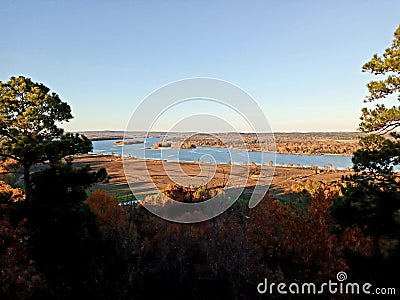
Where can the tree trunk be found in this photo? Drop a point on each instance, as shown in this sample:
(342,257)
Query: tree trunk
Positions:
(27,184)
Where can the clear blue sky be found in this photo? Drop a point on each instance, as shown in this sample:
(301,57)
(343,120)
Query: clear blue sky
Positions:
(301,60)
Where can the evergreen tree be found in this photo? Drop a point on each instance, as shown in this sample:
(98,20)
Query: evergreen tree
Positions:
(371,199)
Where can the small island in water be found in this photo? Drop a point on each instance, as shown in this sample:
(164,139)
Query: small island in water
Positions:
(127,142)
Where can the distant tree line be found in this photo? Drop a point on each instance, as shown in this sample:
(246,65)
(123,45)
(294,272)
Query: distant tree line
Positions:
(285,143)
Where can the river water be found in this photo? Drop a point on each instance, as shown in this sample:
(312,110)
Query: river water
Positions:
(220,155)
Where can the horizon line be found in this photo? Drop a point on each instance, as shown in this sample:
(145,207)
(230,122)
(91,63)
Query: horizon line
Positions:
(166,131)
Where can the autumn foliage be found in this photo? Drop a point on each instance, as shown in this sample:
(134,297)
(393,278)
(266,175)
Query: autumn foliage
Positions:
(229,254)
(19,275)
(102,248)
(10,194)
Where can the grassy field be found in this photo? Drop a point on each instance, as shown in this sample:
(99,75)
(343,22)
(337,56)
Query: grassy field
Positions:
(283,177)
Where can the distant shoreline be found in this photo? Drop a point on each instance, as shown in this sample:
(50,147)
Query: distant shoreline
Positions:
(265,151)
(294,143)
(234,148)
(105,138)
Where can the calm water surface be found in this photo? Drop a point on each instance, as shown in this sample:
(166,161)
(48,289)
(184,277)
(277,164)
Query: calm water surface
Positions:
(219,155)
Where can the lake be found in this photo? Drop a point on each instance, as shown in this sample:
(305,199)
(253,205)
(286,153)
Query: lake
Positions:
(219,155)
